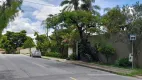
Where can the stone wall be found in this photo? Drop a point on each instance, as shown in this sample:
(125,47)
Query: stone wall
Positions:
(122,46)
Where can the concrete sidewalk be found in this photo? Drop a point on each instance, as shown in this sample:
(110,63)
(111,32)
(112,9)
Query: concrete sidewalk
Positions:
(110,69)
(56,59)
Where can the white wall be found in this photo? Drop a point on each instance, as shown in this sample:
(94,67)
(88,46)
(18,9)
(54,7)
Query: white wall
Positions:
(27,51)
(70,51)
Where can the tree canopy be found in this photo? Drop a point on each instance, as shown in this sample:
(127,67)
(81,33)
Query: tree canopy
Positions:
(113,20)
(86,21)
(29,43)
(87,5)
(11,41)
(42,43)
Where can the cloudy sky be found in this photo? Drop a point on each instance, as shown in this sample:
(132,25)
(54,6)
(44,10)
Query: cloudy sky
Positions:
(36,11)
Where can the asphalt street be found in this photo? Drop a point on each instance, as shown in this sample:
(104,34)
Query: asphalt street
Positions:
(21,67)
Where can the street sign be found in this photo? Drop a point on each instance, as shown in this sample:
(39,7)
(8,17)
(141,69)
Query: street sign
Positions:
(132,37)
(130,57)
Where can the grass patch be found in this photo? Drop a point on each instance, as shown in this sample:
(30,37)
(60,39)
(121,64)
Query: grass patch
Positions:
(53,54)
(136,72)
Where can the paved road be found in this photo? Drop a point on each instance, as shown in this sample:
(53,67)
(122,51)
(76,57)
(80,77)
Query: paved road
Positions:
(20,67)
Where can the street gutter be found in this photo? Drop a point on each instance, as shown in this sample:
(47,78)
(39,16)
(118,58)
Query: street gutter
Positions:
(114,70)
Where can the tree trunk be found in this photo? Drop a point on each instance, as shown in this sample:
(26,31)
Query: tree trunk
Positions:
(75,3)
(86,46)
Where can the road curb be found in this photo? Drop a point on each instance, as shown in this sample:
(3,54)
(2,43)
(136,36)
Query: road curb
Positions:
(88,65)
(94,68)
(97,68)
(52,58)
(84,65)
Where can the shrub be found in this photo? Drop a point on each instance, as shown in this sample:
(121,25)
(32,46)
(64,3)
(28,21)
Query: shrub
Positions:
(53,54)
(73,56)
(106,50)
(17,52)
(124,62)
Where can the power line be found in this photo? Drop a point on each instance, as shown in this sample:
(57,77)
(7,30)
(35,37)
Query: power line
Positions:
(41,3)
(37,3)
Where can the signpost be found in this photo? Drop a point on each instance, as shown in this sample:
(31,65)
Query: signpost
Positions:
(131,56)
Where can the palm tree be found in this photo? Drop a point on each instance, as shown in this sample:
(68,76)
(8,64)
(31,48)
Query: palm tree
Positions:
(74,4)
(70,4)
(88,6)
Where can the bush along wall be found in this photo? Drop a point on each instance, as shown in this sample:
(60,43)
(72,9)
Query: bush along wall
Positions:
(124,62)
(107,50)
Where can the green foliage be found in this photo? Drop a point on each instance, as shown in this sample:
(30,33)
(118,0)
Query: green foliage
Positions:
(8,11)
(125,21)
(134,21)
(82,17)
(124,62)
(43,43)
(53,54)
(4,43)
(29,43)
(16,39)
(136,72)
(52,21)
(17,52)
(11,41)
(83,21)
(70,4)
(107,50)
(87,5)
(61,36)
(73,56)
(113,20)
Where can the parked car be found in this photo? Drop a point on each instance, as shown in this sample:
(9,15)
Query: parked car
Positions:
(36,53)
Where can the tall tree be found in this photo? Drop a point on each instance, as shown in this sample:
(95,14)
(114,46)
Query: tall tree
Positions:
(126,21)
(42,43)
(29,43)
(83,21)
(113,20)
(54,22)
(70,4)
(76,5)
(88,6)
(8,10)
(82,18)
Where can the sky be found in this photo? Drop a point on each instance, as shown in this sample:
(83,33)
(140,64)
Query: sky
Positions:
(36,11)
